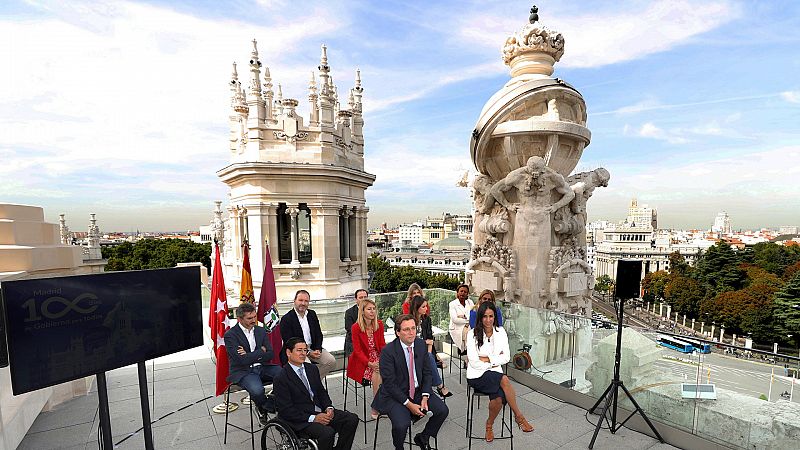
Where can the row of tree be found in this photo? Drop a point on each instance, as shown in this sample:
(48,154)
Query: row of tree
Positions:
(387,278)
(755,291)
(155,254)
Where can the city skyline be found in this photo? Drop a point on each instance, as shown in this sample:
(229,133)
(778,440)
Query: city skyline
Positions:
(121,109)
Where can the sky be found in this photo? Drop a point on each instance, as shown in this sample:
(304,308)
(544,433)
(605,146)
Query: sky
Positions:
(120,108)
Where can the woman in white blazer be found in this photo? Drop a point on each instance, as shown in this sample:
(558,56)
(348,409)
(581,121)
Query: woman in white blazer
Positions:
(459,317)
(487,351)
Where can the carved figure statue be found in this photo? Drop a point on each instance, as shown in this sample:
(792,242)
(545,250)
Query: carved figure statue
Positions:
(540,190)
(531,182)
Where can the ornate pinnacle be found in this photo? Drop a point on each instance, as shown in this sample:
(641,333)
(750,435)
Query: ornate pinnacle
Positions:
(323,60)
(267,81)
(234,75)
(351,100)
(254,53)
(312,86)
(279,97)
(358,87)
(534,17)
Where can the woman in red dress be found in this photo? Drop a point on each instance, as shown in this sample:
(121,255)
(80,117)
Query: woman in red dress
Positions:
(413,291)
(368,341)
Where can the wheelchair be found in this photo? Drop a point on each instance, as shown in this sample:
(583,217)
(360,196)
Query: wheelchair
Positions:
(278,435)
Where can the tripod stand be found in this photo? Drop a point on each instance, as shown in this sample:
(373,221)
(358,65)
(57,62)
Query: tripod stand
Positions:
(611,393)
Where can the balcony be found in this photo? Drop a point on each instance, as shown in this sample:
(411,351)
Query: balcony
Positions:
(572,363)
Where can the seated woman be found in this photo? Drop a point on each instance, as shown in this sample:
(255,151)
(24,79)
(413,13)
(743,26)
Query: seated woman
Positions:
(368,341)
(420,310)
(486,296)
(413,291)
(487,349)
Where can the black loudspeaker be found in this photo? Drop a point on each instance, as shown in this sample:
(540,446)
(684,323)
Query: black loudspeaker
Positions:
(629,275)
(3,346)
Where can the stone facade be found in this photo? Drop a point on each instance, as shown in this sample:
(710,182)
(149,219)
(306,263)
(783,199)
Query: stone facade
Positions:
(296,187)
(529,208)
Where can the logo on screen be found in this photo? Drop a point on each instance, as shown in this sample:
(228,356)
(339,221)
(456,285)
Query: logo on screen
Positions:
(58,307)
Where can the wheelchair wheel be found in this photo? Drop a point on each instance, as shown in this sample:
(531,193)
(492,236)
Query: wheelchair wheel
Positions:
(277,436)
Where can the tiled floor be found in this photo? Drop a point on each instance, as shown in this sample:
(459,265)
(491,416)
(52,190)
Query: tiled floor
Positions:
(183,417)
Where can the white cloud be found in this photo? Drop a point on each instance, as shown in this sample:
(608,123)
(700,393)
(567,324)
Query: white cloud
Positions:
(595,40)
(791,96)
(133,82)
(651,131)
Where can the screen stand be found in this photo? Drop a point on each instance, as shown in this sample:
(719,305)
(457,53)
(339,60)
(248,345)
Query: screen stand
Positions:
(105,418)
(146,424)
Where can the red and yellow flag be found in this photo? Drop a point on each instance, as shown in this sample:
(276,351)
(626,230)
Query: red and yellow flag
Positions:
(246,290)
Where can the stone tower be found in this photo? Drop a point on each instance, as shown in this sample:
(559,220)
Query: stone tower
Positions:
(296,187)
(530,209)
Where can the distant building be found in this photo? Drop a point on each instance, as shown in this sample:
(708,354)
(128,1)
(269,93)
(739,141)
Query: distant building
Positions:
(789,229)
(722,223)
(642,217)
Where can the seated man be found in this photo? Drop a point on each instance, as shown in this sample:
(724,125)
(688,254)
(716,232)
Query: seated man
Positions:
(304,403)
(303,323)
(350,317)
(249,354)
(406,371)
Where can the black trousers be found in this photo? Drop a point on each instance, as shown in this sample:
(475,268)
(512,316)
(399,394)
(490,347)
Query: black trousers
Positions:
(344,424)
(401,420)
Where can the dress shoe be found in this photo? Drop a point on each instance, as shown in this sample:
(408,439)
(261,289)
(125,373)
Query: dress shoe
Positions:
(263,418)
(442,394)
(422,442)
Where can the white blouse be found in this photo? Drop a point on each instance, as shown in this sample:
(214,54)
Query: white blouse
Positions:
(495,348)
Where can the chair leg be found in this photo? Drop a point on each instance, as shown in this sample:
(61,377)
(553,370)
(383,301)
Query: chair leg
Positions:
(364,402)
(227,411)
(344,375)
(252,433)
(375,438)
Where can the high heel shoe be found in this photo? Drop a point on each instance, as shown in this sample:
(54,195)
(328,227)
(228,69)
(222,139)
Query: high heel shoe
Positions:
(489,432)
(523,424)
(439,390)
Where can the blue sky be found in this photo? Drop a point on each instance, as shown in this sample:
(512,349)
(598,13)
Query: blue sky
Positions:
(120,108)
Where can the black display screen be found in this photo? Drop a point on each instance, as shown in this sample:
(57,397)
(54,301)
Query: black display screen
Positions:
(65,328)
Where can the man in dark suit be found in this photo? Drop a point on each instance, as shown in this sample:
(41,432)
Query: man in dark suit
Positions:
(405,393)
(304,404)
(350,318)
(249,354)
(303,323)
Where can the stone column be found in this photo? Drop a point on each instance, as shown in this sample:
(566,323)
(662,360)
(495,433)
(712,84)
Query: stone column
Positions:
(703,328)
(271,230)
(684,320)
(256,227)
(721,333)
(293,211)
(712,330)
(669,312)
(692,325)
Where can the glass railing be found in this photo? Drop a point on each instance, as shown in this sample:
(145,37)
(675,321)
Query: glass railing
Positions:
(736,397)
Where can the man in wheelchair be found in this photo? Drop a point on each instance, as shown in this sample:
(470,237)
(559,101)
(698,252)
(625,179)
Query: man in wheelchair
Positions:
(304,404)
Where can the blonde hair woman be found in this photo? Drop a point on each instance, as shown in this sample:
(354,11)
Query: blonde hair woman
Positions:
(413,291)
(368,341)
(486,296)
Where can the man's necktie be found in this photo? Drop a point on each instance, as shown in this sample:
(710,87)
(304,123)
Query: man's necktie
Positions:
(411,389)
(308,387)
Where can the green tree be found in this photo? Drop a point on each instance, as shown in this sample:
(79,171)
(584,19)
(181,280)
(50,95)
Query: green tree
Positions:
(786,308)
(678,264)
(604,284)
(653,286)
(156,254)
(718,268)
(774,258)
(388,278)
(684,294)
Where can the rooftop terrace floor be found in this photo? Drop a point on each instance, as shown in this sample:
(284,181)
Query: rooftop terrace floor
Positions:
(184,387)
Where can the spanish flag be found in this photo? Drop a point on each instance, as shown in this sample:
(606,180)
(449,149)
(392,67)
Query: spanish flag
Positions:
(246,291)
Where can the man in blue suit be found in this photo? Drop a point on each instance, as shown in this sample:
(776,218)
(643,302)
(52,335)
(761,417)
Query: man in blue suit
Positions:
(405,393)
(249,354)
(304,404)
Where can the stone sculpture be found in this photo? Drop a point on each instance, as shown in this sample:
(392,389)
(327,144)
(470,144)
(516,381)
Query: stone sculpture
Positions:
(528,206)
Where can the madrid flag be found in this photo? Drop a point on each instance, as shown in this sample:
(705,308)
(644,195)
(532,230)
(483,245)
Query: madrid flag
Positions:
(218,322)
(267,312)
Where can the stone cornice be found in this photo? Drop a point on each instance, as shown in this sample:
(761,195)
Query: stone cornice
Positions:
(294,171)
